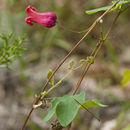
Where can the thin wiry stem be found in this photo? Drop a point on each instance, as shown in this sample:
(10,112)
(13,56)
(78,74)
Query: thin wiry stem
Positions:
(78,43)
(95,53)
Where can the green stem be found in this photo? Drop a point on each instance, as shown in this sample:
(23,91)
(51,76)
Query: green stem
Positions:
(59,82)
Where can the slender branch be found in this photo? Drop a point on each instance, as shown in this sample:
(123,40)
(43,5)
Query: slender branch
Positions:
(58,83)
(78,43)
(95,53)
(85,69)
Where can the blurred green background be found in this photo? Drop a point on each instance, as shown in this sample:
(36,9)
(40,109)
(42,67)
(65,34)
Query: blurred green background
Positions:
(45,49)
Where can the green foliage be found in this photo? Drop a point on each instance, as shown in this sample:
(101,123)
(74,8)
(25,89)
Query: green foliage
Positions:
(48,76)
(93,103)
(126,77)
(107,7)
(10,51)
(97,10)
(65,108)
(90,59)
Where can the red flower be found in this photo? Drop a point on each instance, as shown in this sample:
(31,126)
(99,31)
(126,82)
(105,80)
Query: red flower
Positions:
(47,19)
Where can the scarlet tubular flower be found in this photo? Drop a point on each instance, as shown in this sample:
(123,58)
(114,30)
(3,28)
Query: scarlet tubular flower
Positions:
(46,19)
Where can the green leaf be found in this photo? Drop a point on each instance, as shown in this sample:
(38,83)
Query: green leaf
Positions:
(48,76)
(10,49)
(80,97)
(126,77)
(121,2)
(97,10)
(67,109)
(106,7)
(93,103)
(54,104)
(90,59)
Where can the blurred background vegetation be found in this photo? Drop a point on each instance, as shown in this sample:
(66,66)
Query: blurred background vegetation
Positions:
(44,50)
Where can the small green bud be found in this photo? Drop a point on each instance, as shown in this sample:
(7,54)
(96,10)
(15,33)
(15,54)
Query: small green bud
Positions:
(90,59)
(48,76)
(71,64)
